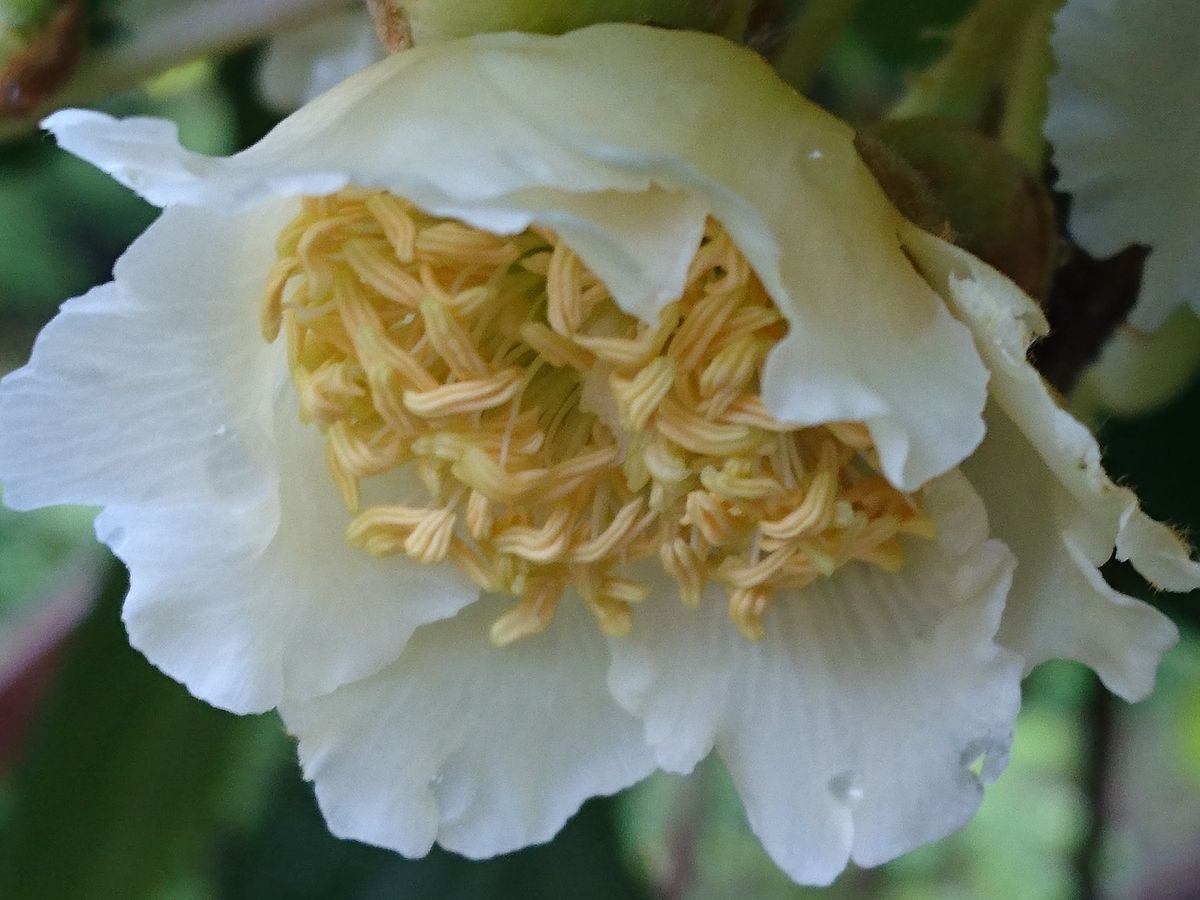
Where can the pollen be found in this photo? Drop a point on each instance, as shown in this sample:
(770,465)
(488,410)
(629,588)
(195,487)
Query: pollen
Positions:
(551,445)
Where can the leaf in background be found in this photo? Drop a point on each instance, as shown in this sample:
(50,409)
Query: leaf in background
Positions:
(907,35)
(128,776)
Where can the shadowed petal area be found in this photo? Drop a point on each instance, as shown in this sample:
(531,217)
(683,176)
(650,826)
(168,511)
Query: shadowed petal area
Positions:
(1100,518)
(480,748)
(853,728)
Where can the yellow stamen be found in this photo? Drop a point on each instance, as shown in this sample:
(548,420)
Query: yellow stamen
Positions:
(558,439)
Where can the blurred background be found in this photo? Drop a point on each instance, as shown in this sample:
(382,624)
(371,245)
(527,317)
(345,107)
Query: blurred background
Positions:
(114,783)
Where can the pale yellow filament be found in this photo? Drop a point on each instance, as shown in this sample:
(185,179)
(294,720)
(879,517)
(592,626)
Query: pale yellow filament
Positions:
(559,439)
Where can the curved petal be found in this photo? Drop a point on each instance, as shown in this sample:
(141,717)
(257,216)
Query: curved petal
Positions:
(156,397)
(853,728)
(123,398)
(1099,514)
(480,748)
(869,340)
(1125,138)
(252,604)
(1060,605)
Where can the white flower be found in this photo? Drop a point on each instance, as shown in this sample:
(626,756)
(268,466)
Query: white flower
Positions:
(528,306)
(1124,125)
(301,64)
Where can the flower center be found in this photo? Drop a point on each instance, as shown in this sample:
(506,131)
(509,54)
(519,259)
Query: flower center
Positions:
(557,440)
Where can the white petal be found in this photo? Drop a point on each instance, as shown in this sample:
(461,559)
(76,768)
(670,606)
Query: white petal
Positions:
(149,389)
(1060,605)
(587,133)
(145,155)
(246,624)
(1125,133)
(852,729)
(1100,515)
(156,396)
(480,748)
(302,64)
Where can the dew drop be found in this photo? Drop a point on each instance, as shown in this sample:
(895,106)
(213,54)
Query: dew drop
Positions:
(844,789)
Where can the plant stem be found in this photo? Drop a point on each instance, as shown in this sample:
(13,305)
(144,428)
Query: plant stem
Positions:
(1028,91)
(963,82)
(201,28)
(737,18)
(1100,725)
(813,35)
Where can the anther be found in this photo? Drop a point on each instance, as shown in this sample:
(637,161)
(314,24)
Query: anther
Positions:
(559,441)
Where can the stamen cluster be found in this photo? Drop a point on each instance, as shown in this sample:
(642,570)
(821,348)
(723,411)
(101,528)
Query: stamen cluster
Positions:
(556,440)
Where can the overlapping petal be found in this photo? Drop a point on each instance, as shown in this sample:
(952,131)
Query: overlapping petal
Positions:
(1036,449)
(480,748)
(122,397)
(852,728)
(554,131)
(1060,605)
(1139,372)
(156,397)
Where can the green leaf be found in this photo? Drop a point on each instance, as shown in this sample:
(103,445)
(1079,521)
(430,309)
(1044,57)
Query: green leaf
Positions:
(908,34)
(127,777)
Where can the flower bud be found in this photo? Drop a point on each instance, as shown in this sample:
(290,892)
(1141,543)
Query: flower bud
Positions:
(996,209)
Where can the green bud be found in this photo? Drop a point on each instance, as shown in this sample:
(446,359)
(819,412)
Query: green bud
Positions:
(994,207)
(436,20)
(904,185)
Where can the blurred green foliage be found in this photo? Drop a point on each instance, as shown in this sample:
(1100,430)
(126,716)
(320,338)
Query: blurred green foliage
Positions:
(126,775)
(32,546)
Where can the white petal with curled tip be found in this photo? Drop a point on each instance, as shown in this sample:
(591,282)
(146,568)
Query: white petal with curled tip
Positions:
(1060,605)
(483,749)
(1040,468)
(247,616)
(156,397)
(615,125)
(1126,136)
(1101,517)
(853,730)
